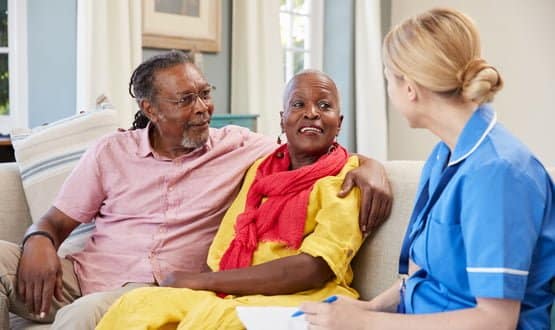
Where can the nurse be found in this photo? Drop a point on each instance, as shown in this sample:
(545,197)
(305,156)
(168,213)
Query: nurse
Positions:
(479,252)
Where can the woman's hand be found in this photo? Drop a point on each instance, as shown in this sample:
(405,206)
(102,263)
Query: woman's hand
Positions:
(344,313)
(376,195)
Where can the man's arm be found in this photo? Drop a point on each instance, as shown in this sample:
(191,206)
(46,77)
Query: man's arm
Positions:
(376,195)
(39,274)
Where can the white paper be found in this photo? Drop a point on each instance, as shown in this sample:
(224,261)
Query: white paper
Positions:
(270,318)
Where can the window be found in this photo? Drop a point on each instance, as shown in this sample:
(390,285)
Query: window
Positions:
(13,64)
(301,35)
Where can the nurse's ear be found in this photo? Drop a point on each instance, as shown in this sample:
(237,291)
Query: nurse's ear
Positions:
(412,89)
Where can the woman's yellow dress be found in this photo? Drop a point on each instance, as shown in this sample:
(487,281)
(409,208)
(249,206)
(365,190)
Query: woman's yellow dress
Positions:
(331,232)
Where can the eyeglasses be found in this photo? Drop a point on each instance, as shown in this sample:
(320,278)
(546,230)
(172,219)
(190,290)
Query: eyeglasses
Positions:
(187,100)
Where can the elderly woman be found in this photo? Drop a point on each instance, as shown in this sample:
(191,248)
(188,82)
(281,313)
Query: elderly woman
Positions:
(480,247)
(286,239)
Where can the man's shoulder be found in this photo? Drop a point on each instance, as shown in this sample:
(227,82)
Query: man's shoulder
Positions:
(230,130)
(120,140)
(239,135)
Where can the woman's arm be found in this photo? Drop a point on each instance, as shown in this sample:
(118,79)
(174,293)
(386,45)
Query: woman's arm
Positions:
(282,276)
(325,253)
(488,314)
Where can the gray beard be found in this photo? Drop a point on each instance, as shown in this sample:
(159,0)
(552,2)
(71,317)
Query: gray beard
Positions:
(193,142)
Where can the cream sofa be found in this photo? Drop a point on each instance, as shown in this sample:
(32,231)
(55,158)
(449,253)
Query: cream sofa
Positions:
(375,266)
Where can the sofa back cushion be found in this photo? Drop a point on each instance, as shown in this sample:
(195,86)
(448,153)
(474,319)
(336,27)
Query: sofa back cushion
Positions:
(375,265)
(47,154)
(14,214)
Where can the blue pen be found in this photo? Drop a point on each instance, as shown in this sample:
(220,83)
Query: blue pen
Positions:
(328,300)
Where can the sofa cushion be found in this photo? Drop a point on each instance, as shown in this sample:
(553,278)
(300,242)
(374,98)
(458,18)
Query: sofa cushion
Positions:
(18,323)
(14,214)
(47,154)
(375,265)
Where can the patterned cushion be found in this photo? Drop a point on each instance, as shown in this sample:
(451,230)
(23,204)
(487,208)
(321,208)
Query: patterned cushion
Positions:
(47,154)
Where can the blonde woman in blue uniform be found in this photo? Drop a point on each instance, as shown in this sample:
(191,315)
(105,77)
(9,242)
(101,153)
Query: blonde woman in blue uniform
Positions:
(479,251)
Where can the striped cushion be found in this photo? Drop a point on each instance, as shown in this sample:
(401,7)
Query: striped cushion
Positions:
(77,239)
(47,154)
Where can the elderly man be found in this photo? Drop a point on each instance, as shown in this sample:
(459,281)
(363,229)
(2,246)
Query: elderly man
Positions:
(157,194)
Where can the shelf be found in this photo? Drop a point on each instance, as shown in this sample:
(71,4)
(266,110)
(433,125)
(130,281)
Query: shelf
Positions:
(248,121)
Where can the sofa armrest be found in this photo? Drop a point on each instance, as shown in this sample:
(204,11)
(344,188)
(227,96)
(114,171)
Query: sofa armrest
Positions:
(14,213)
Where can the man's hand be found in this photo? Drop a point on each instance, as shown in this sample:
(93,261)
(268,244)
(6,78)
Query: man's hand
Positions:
(39,275)
(371,179)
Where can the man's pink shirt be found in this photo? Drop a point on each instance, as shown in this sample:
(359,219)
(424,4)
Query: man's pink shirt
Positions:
(153,215)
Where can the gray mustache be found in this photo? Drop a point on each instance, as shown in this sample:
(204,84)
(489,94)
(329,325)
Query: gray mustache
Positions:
(199,121)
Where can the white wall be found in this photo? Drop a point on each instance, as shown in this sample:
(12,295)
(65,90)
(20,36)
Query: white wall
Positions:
(518,38)
(216,66)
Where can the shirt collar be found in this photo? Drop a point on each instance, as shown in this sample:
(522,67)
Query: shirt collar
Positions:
(474,132)
(145,149)
(208,145)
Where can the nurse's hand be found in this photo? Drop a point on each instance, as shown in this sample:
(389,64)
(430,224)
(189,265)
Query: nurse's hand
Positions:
(344,313)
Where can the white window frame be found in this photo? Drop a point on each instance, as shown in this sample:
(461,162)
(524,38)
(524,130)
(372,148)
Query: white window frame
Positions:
(315,38)
(17,66)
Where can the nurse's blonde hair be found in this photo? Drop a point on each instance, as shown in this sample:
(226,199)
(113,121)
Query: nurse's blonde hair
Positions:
(440,50)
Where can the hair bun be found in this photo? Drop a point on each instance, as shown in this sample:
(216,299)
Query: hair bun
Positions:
(479,81)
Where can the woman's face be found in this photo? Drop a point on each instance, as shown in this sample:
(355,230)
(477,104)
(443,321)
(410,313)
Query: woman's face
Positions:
(311,118)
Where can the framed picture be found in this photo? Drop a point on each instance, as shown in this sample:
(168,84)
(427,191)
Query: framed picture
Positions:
(182,24)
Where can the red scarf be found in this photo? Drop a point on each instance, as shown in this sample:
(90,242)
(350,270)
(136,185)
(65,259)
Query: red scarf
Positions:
(282,216)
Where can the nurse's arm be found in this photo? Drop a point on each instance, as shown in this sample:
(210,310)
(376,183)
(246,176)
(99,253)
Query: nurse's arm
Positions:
(386,301)
(488,314)
(413,268)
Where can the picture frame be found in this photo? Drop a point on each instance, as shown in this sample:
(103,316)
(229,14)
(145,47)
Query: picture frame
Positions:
(182,24)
